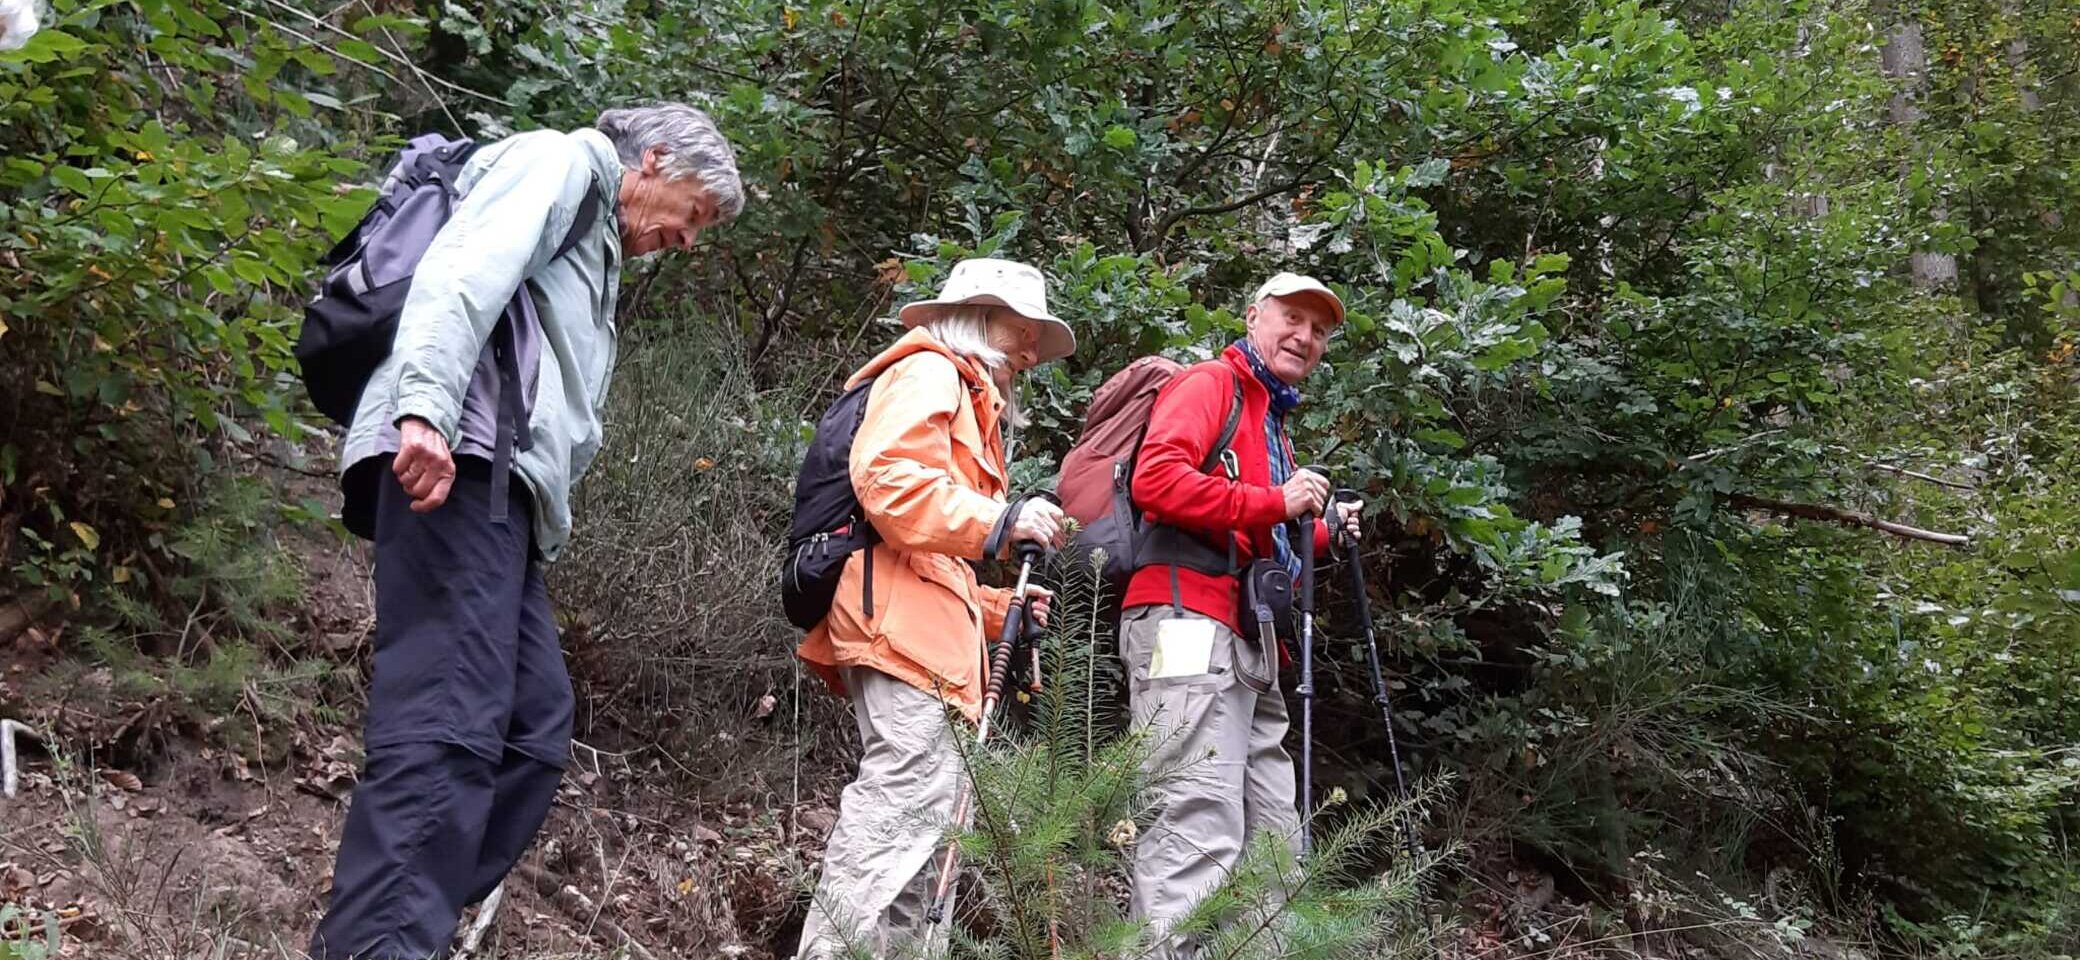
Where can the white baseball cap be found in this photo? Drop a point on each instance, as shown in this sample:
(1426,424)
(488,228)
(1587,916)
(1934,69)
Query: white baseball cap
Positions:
(998,283)
(1294,284)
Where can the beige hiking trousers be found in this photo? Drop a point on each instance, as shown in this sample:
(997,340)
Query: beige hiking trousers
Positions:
(878,866)
(1219,774)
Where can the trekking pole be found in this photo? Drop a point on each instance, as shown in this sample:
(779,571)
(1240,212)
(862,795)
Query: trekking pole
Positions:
(1363,602)
(1305,689)
(999,665)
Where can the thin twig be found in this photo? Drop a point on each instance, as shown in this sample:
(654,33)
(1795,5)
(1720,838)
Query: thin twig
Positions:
(425,79)
(309,40)
(399,58)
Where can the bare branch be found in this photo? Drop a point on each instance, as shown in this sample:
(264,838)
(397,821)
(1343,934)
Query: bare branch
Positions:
(580,908)
(1938,481)
(1847,518)
(1170,220)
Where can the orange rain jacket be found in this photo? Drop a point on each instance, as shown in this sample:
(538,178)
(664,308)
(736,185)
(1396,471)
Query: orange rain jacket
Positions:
(928,467)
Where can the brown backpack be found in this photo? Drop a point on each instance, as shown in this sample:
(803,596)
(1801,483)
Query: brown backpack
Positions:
(1097,477)
(1112,430)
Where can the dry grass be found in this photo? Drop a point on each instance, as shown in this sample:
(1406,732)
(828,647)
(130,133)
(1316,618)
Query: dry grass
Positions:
(670,589)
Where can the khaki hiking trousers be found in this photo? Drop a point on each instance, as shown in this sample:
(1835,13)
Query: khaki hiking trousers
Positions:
(1219,775)
(878,866)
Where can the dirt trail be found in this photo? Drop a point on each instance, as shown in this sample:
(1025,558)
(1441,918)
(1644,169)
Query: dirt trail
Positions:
(199,859)
(160,842)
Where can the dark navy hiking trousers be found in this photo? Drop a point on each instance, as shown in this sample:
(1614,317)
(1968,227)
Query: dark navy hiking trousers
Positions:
(469,722)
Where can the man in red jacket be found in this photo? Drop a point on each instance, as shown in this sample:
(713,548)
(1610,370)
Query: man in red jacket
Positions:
(1220,775)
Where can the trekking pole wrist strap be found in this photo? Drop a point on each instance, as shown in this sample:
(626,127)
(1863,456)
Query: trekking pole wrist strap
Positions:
(994,543)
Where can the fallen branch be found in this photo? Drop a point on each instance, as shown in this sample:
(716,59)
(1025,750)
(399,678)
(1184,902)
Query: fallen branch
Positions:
(1847,518)
(579,907)
(485,914)
(10,774)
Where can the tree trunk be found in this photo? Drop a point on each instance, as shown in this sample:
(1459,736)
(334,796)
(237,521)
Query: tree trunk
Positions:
(1904,58)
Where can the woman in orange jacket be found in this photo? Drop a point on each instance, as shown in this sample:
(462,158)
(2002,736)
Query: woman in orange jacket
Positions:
(928,467)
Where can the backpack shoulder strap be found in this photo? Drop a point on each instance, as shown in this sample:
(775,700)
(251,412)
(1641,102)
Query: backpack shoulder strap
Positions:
(431,157)
(1227,437)
(588,213)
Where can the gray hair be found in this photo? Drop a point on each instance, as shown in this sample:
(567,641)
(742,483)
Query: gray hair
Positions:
(964,329)
(692,147)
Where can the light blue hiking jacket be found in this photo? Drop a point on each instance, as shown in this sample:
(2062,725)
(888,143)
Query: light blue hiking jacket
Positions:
(519,198)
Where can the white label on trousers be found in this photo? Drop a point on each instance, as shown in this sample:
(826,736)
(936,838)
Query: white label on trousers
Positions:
(1184,648)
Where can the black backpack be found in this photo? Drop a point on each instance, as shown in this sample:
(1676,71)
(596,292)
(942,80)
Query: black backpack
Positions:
(829,524)
(349,327)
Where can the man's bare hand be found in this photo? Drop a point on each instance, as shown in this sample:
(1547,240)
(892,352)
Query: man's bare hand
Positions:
(1306,492)
(1348,513)
(423,465)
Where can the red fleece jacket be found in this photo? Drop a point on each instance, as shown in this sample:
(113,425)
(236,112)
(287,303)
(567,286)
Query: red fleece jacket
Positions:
(1170,488)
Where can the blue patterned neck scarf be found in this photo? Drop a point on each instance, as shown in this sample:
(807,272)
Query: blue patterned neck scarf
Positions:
(1284,397)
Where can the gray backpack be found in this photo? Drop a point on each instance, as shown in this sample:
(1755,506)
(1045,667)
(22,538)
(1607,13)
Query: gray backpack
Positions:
(349,326)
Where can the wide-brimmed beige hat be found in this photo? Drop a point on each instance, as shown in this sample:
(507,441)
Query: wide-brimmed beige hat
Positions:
(1295,285)
(998,283)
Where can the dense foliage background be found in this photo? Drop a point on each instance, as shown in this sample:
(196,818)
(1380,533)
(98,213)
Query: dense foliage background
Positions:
(1713,366)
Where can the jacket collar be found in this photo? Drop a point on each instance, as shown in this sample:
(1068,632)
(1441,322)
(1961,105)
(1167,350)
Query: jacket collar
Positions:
(919,340)
(1239,362)
(989,404)
(605,162)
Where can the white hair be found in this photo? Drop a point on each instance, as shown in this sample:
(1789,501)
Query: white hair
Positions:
(963,328)
(17,23)
(692,146)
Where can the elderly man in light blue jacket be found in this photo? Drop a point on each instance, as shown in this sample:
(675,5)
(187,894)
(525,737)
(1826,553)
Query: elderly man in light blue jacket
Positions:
(470,708)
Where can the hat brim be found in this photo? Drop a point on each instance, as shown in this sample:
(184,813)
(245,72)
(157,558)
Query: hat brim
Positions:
(1328,299)
(1056,339)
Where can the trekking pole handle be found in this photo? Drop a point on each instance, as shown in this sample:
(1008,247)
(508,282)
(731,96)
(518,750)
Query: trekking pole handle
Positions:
(1014,626)
(1307,545)
(1020,550)
(1028,554)
(1001,653)
(1337,535)
(1307,563)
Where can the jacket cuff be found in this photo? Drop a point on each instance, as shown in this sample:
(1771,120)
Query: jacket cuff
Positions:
(1266,506)
(432,406)
(999,529)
